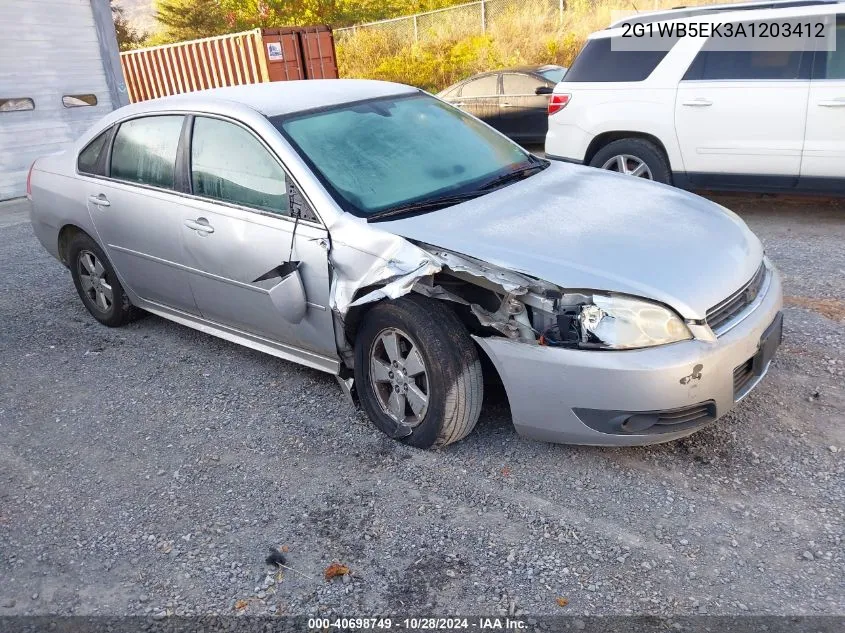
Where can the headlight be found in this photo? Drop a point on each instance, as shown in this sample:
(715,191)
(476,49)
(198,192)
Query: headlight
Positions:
(626,323)
(594,321)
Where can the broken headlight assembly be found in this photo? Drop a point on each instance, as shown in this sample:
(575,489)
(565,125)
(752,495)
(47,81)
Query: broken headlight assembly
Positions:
(597,321)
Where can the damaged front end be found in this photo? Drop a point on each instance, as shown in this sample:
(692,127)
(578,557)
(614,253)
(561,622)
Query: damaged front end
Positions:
(533,311)
(497,302)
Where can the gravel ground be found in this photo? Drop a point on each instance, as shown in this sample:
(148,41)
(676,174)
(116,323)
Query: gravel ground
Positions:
(146,470)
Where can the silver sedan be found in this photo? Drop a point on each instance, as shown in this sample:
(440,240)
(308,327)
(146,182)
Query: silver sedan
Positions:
(372,231)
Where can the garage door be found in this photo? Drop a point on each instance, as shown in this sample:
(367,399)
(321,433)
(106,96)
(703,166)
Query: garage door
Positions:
(52,82)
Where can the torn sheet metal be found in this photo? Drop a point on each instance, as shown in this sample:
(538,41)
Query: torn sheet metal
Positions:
(393,263)
(397,266)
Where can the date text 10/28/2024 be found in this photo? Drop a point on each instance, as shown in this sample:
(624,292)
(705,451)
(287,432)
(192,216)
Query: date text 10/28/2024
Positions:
(416,624)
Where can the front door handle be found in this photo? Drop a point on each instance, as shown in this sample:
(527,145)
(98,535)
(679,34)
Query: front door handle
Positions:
(699,103)
(100,201)
(200,225)
(839,102)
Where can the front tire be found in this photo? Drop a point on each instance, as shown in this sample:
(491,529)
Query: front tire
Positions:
(634,157)
(97,283)
(418,372)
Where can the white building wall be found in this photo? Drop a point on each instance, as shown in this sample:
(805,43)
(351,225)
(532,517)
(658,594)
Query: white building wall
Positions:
(48,48)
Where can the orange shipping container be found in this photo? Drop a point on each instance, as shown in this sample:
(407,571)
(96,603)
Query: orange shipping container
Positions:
(230,60)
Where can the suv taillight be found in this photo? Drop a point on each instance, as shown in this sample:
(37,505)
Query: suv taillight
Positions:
(29,182)
(558,102)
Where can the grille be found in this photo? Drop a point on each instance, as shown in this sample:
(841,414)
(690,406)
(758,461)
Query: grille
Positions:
(722,313)
(742,376)
(687,415)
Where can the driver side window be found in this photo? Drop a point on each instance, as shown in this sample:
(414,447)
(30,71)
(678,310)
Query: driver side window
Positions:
(230,164)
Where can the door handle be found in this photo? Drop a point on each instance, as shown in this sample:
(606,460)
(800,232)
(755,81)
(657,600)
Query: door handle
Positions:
(200,225)
(507,105)
(100,201)
(700,102)
(839,102)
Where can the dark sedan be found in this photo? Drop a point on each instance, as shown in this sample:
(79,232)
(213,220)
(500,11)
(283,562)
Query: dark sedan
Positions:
(514,101)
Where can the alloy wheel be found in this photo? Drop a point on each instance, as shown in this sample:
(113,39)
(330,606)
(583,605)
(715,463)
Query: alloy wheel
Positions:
(94,280)
(628,165)
(399,377)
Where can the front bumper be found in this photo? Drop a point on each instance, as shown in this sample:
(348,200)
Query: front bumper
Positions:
(547,385)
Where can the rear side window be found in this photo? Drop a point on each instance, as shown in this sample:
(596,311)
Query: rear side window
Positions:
(598,62)
(89,161)
(518,84)
(831,64)
(144,150)
(727,65)
(482,87)
(228,163)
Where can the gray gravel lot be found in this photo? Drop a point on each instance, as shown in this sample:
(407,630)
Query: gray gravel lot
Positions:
(146,470)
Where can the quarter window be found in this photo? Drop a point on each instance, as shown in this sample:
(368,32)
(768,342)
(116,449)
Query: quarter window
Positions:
(598,61)
(228,163)
(145,150)
(482,87)
(89,158)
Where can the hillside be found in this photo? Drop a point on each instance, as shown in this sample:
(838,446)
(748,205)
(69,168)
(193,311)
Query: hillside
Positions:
(140,13)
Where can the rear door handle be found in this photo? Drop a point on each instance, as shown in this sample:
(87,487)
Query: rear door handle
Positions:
(699,103)
(200,225)
(100,201)
(839,102)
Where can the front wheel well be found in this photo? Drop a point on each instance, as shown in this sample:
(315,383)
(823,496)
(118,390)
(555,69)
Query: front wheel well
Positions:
(608,137)
(66,235)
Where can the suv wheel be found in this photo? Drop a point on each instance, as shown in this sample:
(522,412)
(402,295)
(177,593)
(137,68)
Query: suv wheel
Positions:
(418,372)
(634,157)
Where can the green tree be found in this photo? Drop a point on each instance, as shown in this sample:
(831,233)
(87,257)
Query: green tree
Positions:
(127,36)
(191,19)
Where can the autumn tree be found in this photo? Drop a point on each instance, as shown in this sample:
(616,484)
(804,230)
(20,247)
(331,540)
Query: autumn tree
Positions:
(127,36)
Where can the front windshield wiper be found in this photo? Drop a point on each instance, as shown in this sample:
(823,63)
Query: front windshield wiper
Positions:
(525,169)
(422,206)
(519,173)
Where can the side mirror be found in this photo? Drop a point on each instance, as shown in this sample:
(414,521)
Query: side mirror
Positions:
(544,90)
(289,294)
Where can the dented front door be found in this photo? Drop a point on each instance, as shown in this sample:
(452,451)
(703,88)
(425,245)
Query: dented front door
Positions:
(244,274)
(257,253)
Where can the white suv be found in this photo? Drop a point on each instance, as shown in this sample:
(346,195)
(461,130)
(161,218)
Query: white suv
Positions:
(699,116)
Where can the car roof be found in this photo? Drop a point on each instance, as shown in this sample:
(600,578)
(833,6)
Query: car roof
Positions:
(283,97)
(532,69)
(681,12)
(515,69)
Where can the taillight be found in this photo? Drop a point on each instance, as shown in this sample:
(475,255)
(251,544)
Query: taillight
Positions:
(29,182)
(558,102)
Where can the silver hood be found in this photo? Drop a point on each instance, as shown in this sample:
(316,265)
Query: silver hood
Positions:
(583,228)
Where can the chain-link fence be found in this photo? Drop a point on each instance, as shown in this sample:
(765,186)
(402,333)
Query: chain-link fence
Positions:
(471,18)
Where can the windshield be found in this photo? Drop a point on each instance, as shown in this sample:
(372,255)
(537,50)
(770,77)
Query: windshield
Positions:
(553,74)
(391,152)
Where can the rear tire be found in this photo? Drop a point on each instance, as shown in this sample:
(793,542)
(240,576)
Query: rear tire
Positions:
(634,156)
(97,283)
(415,357)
